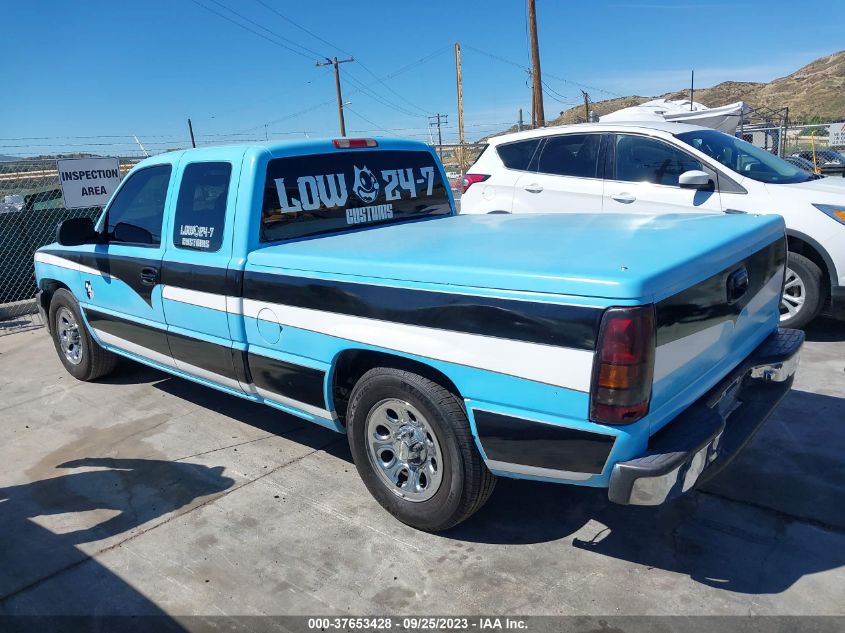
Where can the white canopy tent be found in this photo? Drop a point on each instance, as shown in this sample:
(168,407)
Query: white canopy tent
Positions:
(725,118)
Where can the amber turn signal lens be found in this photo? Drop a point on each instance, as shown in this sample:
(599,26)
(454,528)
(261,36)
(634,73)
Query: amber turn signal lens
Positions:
(619,376)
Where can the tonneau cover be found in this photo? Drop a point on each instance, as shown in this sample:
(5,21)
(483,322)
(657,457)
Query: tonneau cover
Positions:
(623,256)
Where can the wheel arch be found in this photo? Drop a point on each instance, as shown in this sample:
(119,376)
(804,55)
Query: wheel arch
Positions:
(805,245)
(351,364)
(47,288)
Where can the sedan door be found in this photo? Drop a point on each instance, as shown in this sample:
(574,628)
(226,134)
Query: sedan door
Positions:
(565,177)
(643,175)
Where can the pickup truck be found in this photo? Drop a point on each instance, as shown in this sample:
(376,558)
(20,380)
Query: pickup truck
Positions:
(333,279)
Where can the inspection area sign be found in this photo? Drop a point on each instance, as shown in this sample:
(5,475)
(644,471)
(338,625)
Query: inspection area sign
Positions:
(837,134)
(88,182)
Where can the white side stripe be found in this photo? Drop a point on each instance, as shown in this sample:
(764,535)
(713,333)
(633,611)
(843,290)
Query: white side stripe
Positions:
(560,366)
(670,357)
(168,361)
(61,262)
(195,297)
(129,346)
(296,404)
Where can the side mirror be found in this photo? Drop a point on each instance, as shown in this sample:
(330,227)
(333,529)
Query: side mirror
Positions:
(125,232)
(75,231)
(695,179)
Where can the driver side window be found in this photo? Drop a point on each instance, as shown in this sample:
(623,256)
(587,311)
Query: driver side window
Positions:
(135,215)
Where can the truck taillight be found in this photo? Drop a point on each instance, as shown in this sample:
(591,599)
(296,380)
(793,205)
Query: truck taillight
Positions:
(623,367)
(471,179)
(354,143)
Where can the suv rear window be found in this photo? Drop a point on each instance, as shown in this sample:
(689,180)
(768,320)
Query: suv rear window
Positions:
(518,155)
(325,193)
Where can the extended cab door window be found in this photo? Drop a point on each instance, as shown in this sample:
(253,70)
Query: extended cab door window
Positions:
(201,206)
(643,178)
(565,178)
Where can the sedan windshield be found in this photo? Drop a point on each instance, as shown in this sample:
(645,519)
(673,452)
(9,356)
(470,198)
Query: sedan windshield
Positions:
(744,158)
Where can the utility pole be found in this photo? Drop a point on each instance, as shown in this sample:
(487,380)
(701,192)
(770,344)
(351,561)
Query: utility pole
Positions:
(191,132)
(438,120)
(460,82)
(538,116)
(586,105)
(334,61)
(691,88)
(519,122)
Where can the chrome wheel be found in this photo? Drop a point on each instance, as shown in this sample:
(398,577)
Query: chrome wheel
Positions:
(404,450)
(67,330)
(794,295)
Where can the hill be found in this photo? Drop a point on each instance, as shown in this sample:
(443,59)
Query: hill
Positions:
(816,91)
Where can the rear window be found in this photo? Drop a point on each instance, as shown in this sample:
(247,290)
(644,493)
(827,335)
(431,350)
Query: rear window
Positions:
(518,155)
(325,193)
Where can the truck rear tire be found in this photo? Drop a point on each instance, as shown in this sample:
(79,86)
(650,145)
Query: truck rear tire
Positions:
(802,294)
(82,356)
(413,448)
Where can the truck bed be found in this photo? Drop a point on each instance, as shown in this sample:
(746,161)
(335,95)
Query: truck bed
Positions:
(619,256)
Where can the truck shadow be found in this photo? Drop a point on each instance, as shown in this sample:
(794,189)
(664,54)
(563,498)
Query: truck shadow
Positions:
(826,330)
(756,528)
(47,524)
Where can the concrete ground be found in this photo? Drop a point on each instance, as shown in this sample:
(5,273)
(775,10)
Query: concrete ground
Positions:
(147,494)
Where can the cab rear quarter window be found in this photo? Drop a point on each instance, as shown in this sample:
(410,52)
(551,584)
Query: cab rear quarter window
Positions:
(326,193)
(201,206)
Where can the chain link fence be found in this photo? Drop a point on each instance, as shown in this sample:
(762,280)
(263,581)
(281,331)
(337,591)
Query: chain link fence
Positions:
(31,206)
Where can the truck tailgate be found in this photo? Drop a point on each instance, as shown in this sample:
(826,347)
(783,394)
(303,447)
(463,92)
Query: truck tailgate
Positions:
(709,328)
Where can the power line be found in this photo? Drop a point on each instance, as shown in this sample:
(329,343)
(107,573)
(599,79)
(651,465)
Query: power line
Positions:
(376,97)
(510,62)
(395,73)
(345,52)
(254,32)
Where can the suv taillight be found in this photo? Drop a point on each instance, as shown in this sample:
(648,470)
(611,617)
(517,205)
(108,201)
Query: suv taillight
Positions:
(623,367)
(471,179)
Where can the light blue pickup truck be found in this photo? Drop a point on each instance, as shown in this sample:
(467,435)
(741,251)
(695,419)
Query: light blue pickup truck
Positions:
(334,281)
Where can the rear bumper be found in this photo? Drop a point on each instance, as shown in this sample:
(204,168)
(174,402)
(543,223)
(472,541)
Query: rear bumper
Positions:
(710,433)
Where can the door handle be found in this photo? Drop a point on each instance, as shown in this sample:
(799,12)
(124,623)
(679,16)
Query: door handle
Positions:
(624,197)
(149,276)
(533,188)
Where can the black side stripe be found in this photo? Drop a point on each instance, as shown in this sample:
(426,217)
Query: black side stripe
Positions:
(297,382)
(151,338)
(531,321)
(706,303)
(212,279)
(208,356)
(304,384)
(124,267)
(529,443)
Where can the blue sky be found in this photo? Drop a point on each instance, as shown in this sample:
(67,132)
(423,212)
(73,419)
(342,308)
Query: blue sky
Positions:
(96,68)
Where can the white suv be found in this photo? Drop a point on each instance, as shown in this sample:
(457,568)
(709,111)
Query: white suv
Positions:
(671,168)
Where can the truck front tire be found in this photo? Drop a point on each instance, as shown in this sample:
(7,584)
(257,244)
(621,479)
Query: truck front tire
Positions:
(802,293)
(413,448)
(82,356)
